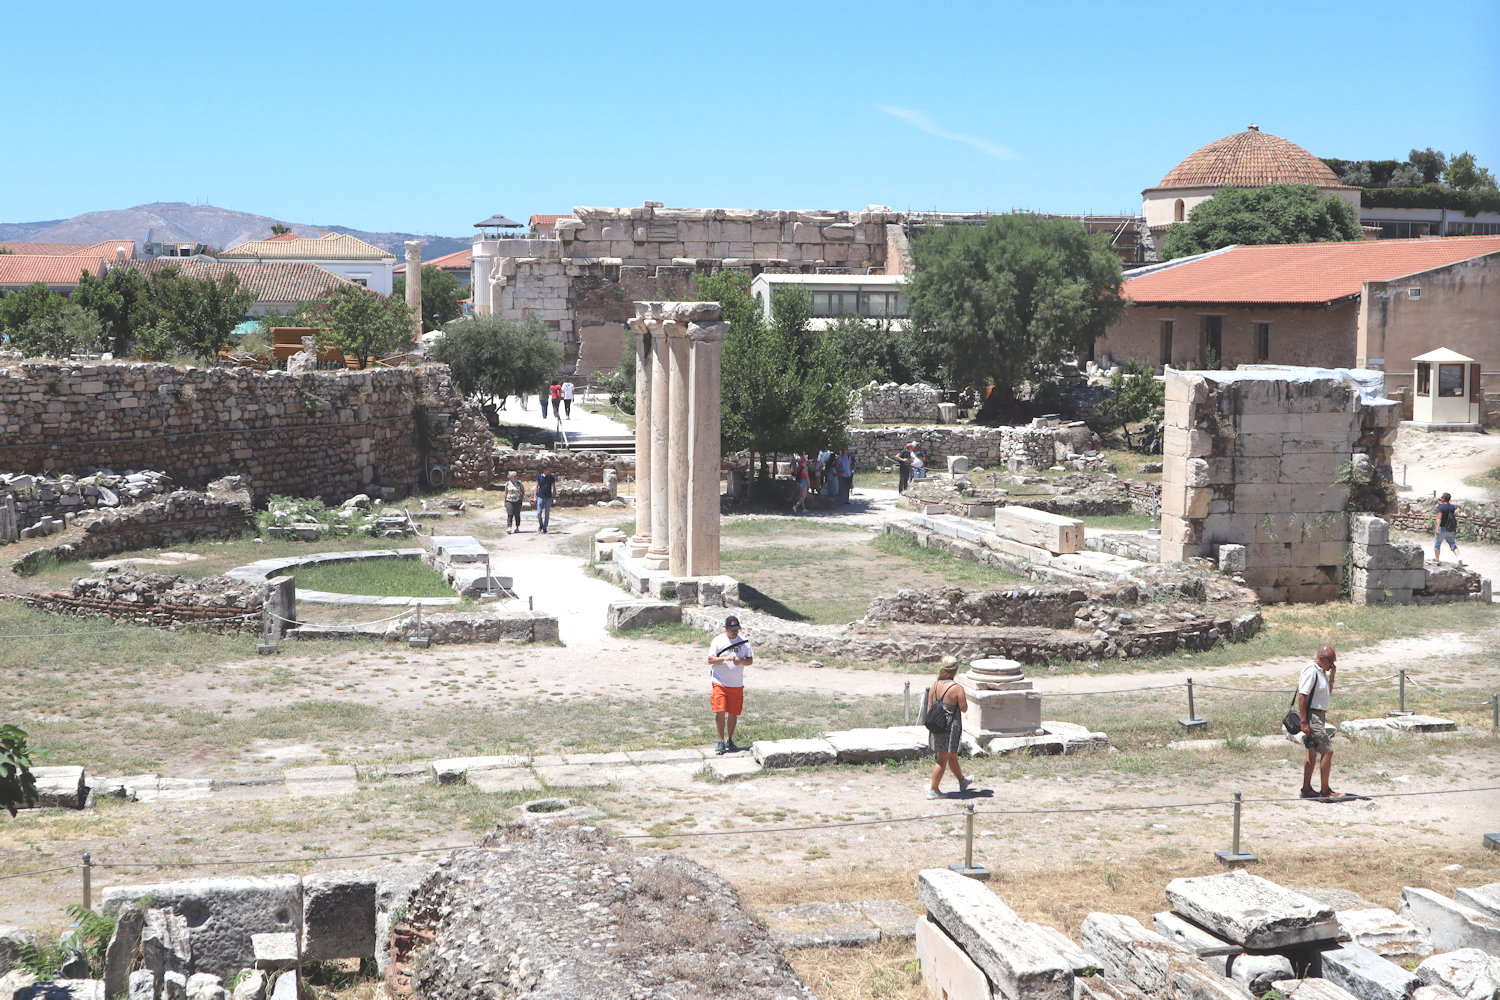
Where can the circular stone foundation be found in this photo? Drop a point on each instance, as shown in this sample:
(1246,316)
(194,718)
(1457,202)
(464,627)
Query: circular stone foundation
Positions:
(262,570)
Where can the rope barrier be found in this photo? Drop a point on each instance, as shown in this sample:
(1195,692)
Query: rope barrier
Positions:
(42,871)
(292,621)
(1079,694)
(1443,699)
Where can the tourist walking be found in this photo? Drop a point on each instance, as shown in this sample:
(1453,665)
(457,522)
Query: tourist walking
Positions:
(545,396)
(903,468)
(555,391)
(729,654)
(546,482)
(952,702)
(1314,693)
(515,496)
(1446,528)
(803,478)
(845,466)
(831,476)
(567,398)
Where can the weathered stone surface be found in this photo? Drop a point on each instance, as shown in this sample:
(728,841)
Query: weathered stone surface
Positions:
(13,942)
(123,950)
(60,787)
(1019,962)
(1078,960)
(143,985)
(275,951)
(890,917)
(626,615)
(868,746)
(252,985)
(1450,924)
(453,770)
(1251,911)
(1100,988)
(732,766)
(284,986)
(1470,973)
(946,971)
(504,779)
(338,915)
(1433,993)
(828,936)
(222,914)
(1485,898)
(1386,934)
(204,986)
(322,781)
(1189,935)
(1366,975)
(1053,532)
(1312,989)
(1126,950)
(166,944)
(1338,899)
(394,885)
(1258,972)
(793,753)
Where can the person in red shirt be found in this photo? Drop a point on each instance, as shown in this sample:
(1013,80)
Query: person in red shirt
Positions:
(556,393)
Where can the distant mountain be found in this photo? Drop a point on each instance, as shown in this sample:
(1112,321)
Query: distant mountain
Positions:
(217,227)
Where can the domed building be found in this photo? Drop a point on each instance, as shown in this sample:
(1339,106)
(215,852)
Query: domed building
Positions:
(1251,158)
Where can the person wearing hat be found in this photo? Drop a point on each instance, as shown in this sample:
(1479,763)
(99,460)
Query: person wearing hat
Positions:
(728,655)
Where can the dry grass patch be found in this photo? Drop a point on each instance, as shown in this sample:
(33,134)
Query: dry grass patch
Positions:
(888,971)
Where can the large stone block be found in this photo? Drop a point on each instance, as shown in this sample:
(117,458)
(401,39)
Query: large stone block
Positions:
(626,615)
(1195,939)
(1366,975)
(394,886)
(1312,989)
(14,942)
(1367,529)
(60,787)
(221,914)
(338,915)
(1451,924)
(120,954)
(1484,897)
(871,746)
(1259,972)
(1252,911)
(1053,532)
(1384,933)
(1128,951)
(1469,973)
(793,753)
(947,972)
(1020,964)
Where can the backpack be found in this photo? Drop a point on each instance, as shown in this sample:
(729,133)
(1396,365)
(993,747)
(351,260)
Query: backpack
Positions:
(937,715)
(1449,521)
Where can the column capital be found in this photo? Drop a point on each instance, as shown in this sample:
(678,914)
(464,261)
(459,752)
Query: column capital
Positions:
(700,333)
(678,312)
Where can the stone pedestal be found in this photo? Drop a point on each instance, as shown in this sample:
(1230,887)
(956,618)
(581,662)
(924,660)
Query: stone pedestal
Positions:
(1001,699)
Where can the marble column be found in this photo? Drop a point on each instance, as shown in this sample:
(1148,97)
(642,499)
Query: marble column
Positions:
(703,476)
(679,450)
(658,556)
(641,541)
(479,284)
(414,285)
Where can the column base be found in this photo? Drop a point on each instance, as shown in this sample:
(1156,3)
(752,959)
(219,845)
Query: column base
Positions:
(637,546)
(657,561)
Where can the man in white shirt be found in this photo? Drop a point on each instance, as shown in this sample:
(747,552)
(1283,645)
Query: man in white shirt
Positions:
(1314,692)
(567,398)
(729,655)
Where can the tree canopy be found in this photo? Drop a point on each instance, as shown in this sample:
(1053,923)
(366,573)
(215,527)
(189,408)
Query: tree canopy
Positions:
(881,351)
(197,313)
(1010,300)
(360,323)
(1275,213)
(441,295)
(120,299)
(491,357)
(1465,173)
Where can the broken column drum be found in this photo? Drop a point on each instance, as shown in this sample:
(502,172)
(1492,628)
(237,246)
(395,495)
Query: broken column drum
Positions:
(678,423)
(1001,699)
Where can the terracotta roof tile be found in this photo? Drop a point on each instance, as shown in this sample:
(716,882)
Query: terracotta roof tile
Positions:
(102,248)
(1298,273)
(546,221)
(333,246)
(458,260)
(271,281)
(283,238)
(19,270)
(1251,158)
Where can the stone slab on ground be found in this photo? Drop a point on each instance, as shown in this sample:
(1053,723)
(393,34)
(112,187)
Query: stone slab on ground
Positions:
(1385,933)
(60,787)
(1449,923)
(1100,988)
(453,770)
(1469,973)
(1078,960)
(829,936)
(1312,989)
(338,915)
(1057,534)
(729,766)
(613,757)
(1485,898)
(1392,725)
(1366,975)
(573,776)
(947,971)
(623,616)
(222,912)
(1251,911)
(1338,899)
(322,781)
(1181,931)
(1257,973)
(664,756)
(152,788)
(1128,951)
(505,779)
(1017,960)
(872,746)
(793,753)
(892,918)
(1034,746)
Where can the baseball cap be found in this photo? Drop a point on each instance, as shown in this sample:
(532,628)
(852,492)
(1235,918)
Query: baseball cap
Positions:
(731,622)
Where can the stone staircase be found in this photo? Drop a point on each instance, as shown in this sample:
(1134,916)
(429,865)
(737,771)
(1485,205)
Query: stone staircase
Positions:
(614,444)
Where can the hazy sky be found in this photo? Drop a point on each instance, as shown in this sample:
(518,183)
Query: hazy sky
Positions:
(429,116)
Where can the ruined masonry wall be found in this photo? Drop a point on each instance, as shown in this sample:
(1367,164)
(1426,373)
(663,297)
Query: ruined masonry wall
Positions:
(987,446)
(326,434)
(895,403)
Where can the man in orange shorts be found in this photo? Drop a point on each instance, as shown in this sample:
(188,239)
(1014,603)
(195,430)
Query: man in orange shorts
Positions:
(729,655)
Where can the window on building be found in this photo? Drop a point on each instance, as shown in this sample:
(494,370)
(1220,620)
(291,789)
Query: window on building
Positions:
(1424,379)
(1213,341)
(1177,211)
(1166,342)
(1262,341)
(1451,380)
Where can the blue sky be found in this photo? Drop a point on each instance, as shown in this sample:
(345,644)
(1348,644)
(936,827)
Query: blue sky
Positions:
(428,117)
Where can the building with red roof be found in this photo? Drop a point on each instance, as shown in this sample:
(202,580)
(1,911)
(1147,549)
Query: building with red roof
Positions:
(459,263)
(1376,304)
(544,227)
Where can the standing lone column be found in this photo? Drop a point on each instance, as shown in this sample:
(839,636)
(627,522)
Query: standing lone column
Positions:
(414,285)
(679,450)
(658,556)
(641,541)
(703,480)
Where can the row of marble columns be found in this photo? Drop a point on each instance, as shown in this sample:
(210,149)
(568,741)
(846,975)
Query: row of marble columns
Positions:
(677,354)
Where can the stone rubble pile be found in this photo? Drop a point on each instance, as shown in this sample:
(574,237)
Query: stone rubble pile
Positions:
(892,403)
(37,505)
(142,598)
(360,514)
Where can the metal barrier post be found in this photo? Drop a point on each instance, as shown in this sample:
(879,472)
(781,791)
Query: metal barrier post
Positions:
(977,872)
(88,881)
(1401,703)
(1235,856)
(1495,711)
(906,704)
(418,639)
(1192,721)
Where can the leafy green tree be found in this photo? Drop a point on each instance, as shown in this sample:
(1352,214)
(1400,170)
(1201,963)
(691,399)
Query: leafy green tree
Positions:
(1430,162)
(1136,396)
(1465,173)
(74,330)
(280,229)
(198,313)
(491,357)
(1275,213)
(17,786)
(35,301)
(1008,301)
(120,299)
(441,295)
(1406,176)
(879,350)
(360,323)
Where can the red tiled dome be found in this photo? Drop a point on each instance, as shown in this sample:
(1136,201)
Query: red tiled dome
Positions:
(1250,158)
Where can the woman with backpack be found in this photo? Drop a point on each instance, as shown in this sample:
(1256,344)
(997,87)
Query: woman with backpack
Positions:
(946,703)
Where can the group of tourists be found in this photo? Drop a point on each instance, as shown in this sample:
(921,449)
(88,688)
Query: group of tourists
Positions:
(829,474)
(560,395)
(544,492)
(910,464)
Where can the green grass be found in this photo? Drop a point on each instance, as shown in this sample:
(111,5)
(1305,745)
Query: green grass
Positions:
(376,577)
(676,632)
(1120,522)
(954,571)
(777,527)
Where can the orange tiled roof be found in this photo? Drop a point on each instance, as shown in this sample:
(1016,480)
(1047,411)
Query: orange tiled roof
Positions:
(100,249)
(18,270)
(458,260)
(284,237)
(1298,273)
(1251,158)
(270,281)
(331,246)
(546,221)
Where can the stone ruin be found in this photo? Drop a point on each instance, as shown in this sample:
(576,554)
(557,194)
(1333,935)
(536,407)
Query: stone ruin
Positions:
(897,403)
(33,505)
(1384,573)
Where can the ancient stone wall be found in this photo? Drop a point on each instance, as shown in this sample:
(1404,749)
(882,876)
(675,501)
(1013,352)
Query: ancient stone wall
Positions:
(1048,607)
(326,434)
(1250,459)
(988,446)
(1385,573)
(585,465)
(216,603)
(894,403)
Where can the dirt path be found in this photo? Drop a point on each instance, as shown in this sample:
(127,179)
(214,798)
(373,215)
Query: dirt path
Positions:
(1439,463)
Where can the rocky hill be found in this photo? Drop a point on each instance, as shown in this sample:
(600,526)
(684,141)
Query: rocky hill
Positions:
(217,227)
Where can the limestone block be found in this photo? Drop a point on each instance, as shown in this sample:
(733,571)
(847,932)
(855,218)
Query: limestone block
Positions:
(205,986)
(222,912)
(1004,712)
(1469,973)
(1384,933)
(60,787)
(1450,924)
(947,972)
(1251,911)
(338,916)
(1484,897)
(1099,988)
(869,746)
(1232,558)
(626,615)
(142,985)
(1019,962)
(1053,532)
(394,886)
(1128,951)
(1433,993)
(120,954)
(958,465)
(252,985)
(276,951)
(1195,939)
(1366,975)
(1259,972)
(793,753)
(1312,989)
(454,770)
(166,945)
(1367,529)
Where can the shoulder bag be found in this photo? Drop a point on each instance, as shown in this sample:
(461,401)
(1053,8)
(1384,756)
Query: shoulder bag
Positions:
(937,714)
